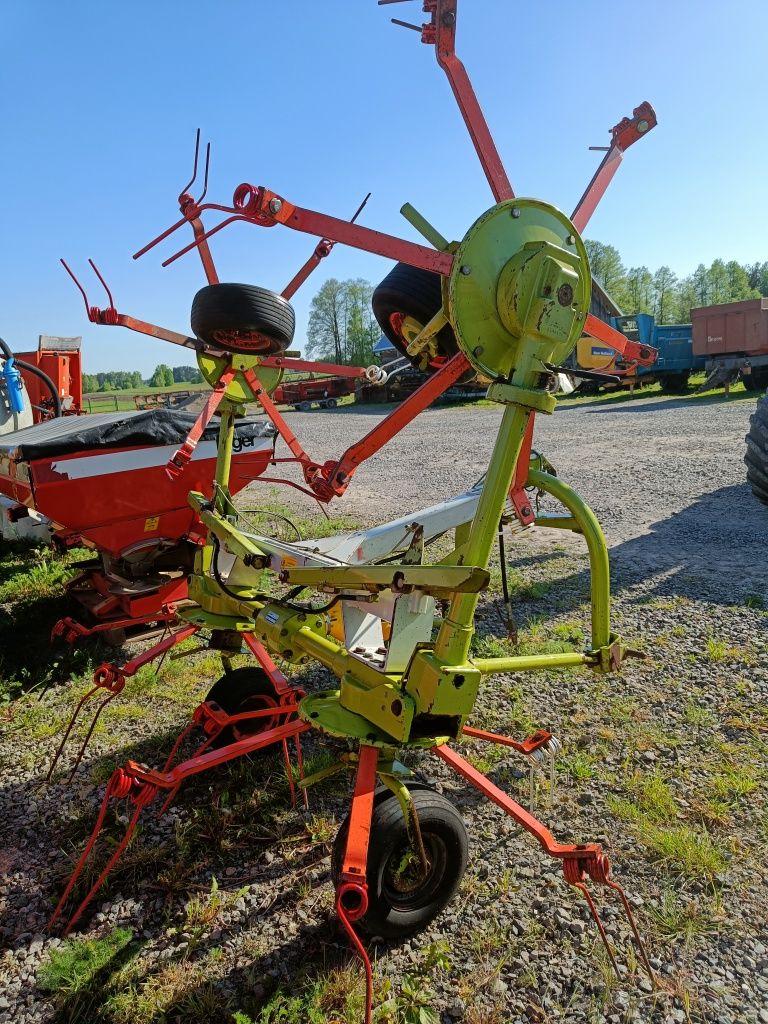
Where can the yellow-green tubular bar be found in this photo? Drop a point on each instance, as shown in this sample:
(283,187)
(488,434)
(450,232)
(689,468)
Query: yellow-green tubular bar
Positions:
(598,552)
(224,459)
(524,662)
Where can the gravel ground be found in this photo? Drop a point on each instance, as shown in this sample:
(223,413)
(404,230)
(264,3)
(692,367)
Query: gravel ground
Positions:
(664,763)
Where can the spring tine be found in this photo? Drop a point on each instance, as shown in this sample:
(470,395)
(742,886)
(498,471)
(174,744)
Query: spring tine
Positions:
(79,286)
(359,210)
(197,241)
(68,730)
(88,847)
(175,748)
(205,179)
(631,918)
(289,773)
(405,24)
(363,954)
(191,181)
(200,750)
(593,911)
(107,868)
(103,283)
(300,765)
(551,777)
(78,759)
(531,787)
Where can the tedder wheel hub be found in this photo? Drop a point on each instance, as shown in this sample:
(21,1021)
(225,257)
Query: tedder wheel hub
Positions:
(402,898)
(521,272)
(244,689)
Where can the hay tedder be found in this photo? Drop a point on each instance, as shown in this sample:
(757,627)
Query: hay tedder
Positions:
(505,305)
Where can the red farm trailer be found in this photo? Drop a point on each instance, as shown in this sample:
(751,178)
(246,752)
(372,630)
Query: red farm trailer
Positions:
(733,339)
(322,391)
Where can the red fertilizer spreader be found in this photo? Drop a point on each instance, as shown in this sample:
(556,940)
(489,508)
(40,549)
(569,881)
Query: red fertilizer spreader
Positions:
(100,481)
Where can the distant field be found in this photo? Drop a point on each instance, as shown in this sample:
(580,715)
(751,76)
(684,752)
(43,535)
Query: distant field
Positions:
(122,401)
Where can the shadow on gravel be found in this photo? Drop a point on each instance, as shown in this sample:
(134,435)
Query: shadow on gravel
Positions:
(714,550)
(688,403)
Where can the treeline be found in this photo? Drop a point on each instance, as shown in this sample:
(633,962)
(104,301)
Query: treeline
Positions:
(127,380)
(671,298)
(342,328)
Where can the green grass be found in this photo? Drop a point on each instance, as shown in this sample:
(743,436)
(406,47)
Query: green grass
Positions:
(269,516)
(73,966)
(655,818)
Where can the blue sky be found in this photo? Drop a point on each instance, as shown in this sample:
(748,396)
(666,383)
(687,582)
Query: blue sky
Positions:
(323,101)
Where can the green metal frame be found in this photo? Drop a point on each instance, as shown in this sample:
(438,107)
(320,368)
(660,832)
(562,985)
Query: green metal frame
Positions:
(516,299)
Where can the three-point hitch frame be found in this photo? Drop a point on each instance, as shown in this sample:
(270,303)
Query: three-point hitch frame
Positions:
(516,295)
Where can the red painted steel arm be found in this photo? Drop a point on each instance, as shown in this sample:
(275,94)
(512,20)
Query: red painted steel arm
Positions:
(631,351)
(334,477)
(322,249)
(258,205)
(111,318)
(281,362)
(441,31)
(213,758)
(624,134)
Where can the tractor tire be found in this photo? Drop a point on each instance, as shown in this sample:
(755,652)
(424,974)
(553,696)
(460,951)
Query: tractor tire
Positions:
(244,689)
(675,383)
(398,907)
(757,380)
(416,294)
(756,457)
(243,318)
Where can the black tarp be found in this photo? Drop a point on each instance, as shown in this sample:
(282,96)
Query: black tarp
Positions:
(68,434)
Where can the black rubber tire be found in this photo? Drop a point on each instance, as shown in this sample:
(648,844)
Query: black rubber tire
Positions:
(755,381)
(331,403)
(394,914)
(304,406)
(243,318)
(675,383)
(415,293)
(244,689)
(756,457)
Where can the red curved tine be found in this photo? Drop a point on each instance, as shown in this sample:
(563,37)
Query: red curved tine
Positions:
(573,872)
(578,860)
(631,918)
(360,894)
(119,785)
(68,730)
(110,696)
(145,795)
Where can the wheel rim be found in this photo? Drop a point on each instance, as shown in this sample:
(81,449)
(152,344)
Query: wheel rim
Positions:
(240,730)
(401,884)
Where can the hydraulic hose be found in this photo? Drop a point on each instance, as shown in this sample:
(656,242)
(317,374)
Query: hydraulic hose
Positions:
(37,372)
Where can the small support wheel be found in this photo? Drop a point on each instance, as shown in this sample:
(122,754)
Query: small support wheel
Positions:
(245,689)
(243,318)
(401,899)
(331,403)
(304,406)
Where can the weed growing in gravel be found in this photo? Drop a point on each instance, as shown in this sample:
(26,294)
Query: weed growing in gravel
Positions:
(73,966)
(650,810)
(678,918)
(334,996)
(202,911)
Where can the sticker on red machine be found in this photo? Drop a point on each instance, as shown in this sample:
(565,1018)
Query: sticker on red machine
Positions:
(151,524)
